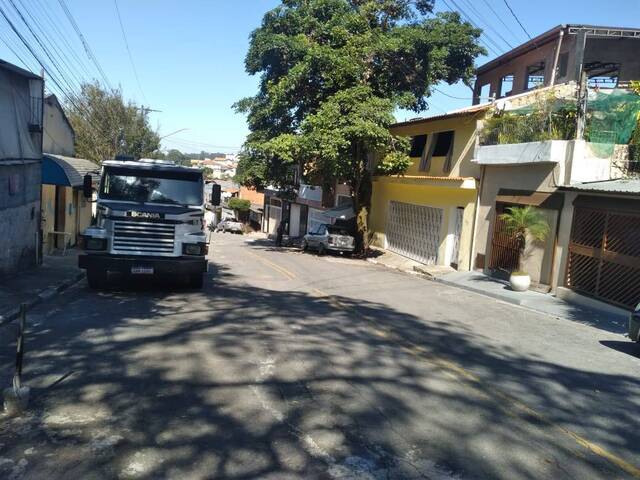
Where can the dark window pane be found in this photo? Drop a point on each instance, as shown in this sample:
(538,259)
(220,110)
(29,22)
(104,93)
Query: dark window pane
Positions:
(563,64)
(506,85)
(443,144)
(535,75)
(417,145)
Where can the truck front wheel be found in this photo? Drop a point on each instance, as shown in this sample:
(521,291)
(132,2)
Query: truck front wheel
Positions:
(96,278)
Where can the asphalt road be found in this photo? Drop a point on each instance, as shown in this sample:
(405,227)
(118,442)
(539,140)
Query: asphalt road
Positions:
(293,366)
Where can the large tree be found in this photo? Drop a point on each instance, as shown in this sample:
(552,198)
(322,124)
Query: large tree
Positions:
(106,126)
(332,74)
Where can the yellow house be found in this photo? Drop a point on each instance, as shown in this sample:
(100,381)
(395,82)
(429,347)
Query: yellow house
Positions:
(428,214)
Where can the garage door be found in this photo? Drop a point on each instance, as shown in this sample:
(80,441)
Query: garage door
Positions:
(414,231)
(604,255)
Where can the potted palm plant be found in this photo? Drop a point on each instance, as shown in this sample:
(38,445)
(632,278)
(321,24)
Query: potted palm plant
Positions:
(524,223)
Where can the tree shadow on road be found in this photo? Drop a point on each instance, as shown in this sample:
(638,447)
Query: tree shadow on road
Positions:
(240,382)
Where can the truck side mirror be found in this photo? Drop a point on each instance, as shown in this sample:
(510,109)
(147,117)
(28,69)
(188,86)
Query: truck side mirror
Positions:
(216,193)
(87,186)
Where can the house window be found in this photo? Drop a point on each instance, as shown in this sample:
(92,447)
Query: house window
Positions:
(484,93)
(506,85)
(417,145)
(441,146)
(563,65)
(535,76)
(275,202)
(603,75)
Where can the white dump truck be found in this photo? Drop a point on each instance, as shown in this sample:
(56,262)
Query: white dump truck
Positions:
(149,222)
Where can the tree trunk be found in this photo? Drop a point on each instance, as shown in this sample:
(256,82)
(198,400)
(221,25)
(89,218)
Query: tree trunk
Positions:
(362,202)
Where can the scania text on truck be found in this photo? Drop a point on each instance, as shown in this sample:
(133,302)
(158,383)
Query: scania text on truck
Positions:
(149,222)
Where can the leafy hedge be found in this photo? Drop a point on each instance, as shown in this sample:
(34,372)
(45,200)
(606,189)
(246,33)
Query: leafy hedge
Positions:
(239,204)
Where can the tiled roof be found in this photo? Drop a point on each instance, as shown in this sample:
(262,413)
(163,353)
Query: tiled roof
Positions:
(462,112)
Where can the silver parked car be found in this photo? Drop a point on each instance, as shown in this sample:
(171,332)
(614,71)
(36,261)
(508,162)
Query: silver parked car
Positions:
(329,238)
(230,225)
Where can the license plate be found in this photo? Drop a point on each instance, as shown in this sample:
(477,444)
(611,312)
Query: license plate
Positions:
(142,270)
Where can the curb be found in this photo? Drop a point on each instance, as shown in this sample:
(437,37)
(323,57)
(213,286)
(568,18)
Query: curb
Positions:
(42,296)
(479,291)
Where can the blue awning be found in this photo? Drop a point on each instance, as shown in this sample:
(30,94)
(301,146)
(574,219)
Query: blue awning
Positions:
(67,171)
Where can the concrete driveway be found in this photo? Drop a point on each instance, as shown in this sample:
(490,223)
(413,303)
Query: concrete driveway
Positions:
(290,365)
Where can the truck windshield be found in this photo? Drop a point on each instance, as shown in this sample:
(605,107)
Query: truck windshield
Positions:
(138,185)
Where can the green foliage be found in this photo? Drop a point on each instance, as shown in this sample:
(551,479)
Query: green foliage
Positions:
(547,119)
(239,204)
(332,72)
(394,163)
(106,126)
(521,222)
(177,156)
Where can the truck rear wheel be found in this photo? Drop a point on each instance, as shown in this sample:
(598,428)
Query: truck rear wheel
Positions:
(196,280)
(97,279)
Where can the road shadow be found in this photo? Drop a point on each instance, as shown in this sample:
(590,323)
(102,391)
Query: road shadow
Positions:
(233,381)
(626,346)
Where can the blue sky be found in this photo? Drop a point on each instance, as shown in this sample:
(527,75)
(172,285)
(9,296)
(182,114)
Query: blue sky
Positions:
(189,54)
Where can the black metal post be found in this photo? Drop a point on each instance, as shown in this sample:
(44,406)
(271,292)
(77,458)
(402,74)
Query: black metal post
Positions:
(17,380)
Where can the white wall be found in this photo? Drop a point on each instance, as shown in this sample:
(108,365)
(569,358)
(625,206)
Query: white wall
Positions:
(58,135)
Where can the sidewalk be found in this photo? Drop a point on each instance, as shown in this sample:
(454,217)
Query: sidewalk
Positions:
(404,264)
(541,302)
(482,284)
(39,283)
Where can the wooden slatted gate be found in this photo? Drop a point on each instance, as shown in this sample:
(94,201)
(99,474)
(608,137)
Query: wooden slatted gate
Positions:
(604,255)
(505,254)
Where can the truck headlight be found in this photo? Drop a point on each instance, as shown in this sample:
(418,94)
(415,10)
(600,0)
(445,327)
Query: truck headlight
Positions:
(194,249)
(91,243)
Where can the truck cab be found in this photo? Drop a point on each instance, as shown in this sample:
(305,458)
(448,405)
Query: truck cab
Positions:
(149,223)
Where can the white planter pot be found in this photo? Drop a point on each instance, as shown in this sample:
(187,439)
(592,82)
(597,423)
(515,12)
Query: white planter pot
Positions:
(520,283)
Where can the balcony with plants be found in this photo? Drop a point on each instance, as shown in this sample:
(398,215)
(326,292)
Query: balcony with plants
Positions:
(604,142)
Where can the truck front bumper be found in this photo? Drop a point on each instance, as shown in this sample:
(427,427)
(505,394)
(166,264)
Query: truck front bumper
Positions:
(160,265)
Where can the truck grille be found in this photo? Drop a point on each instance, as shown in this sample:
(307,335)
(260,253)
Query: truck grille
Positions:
(142,237)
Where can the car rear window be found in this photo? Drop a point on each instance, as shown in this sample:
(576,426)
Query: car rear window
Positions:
(337,231)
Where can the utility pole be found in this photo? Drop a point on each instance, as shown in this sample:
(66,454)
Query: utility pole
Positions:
(581,114)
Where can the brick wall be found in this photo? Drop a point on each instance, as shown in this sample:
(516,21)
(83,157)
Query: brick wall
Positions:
(255,197)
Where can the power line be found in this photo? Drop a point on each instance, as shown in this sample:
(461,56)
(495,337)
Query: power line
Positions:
(126,44)
(15,53)
(486,22)
(44,49)
(59,54)
(499,17)
(459,98)
(497,50)
(69,96)
(517,19)
(53,20)
(86,46)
